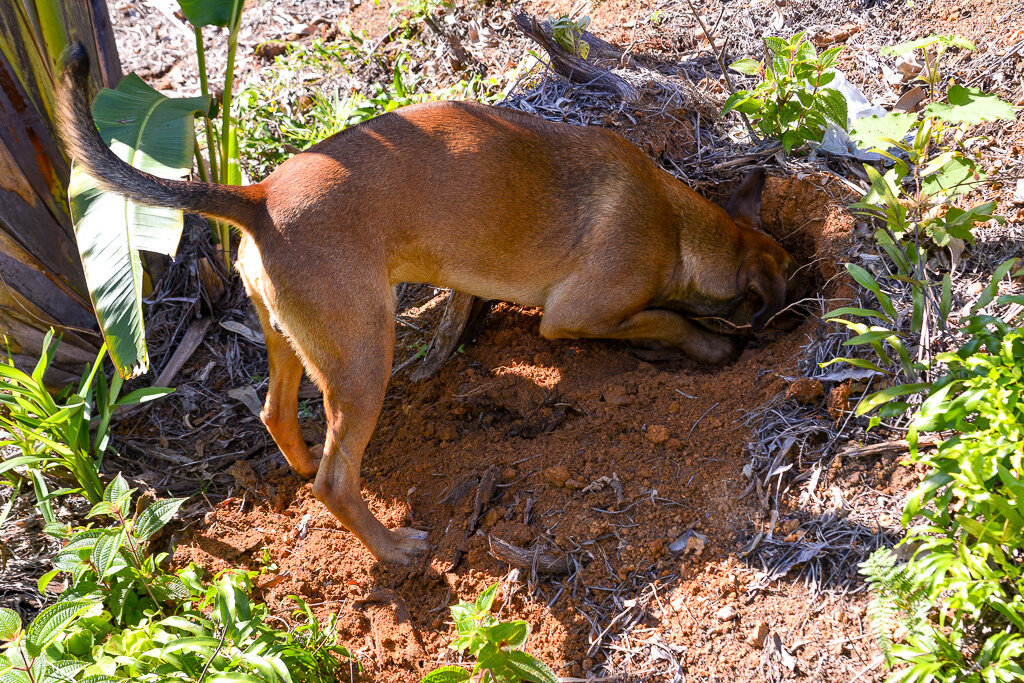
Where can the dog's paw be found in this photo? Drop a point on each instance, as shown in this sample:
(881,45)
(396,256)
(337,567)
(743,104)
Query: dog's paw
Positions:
(410,545)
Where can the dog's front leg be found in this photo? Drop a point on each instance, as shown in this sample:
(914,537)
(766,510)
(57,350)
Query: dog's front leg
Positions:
(657,325)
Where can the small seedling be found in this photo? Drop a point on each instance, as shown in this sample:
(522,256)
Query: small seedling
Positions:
(496,646)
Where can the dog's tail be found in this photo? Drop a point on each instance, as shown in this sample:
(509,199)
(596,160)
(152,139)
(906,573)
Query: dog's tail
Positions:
(241,206)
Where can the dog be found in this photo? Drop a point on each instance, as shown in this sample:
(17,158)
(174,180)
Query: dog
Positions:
(483,200)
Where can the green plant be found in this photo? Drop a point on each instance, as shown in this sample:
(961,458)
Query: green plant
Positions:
(496,645)
(111,563)
(293,118)
(68,432)
(964,521)
(125,617)
(933,47)
(913,207)
(568,32)
(156,134)
(792,101)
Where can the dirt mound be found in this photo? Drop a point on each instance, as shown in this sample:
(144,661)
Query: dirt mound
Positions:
(596,452)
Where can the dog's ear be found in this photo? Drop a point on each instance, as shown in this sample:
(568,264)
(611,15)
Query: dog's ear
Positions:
(760,275)
(744,206)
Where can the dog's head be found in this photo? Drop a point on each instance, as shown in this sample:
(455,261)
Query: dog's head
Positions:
(766,278)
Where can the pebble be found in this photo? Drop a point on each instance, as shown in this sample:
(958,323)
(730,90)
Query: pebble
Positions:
(557,475)
(727,613)
(759,635)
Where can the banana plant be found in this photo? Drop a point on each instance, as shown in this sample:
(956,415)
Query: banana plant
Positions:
(156,134)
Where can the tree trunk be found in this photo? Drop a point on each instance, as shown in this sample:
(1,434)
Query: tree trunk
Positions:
(41,279)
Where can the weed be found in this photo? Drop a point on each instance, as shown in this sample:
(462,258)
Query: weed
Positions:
(67,433)
(792,101)
(124,617)
(496,646)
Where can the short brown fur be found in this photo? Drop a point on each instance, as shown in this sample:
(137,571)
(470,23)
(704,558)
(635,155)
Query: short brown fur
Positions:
(486,201)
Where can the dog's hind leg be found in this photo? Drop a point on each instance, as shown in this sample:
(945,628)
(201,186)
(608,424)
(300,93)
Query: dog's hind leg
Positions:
(353,361)
(281,408)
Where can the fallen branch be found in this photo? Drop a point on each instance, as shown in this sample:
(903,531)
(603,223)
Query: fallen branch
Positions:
(898,446)
(527,559)
(573,67)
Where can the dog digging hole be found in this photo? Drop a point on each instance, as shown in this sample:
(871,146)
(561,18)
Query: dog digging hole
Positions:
(597,452)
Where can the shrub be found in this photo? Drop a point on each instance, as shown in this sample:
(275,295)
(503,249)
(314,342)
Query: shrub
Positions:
(964,522)
(792,102)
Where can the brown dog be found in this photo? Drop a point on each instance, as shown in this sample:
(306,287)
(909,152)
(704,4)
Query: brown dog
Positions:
(481,199)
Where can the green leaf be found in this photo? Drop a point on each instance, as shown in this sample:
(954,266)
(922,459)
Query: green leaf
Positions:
(508,635)
(750,67)
(155,134)
(153,518)
(867,281)
(115,489)
(735,100)
(43,582)
(212,12)
(870,130)
(852,310)
(144,395)
(10,624)
(63,670)
(927,41)
(885,395)
(954,177)
(856,362)
(970,106)
(51,622)
(106,550)
(448,674)
(833,106)
(529,668)
(990,290)
(486,599)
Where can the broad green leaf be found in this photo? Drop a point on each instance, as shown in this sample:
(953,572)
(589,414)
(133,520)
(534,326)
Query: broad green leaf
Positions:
(10,624)
(955,177)
(115,489)
(970,106)
(885,395)
(156,516)
(63,671)
(212,12)
(508,635)
(833,106)
(750,67)
(529,668)
(856,362)
(105,551)
(486,599)
(155,134)
(51,622)
(870,130)
(448,674)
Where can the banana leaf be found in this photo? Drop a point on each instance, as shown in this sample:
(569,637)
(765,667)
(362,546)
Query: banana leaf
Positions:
(155,134)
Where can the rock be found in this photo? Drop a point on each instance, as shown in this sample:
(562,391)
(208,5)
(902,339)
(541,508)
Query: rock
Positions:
(727,613)
(557,475)
(759,635)
(657,434)
(1018,192)
(690,542)
(806,391)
